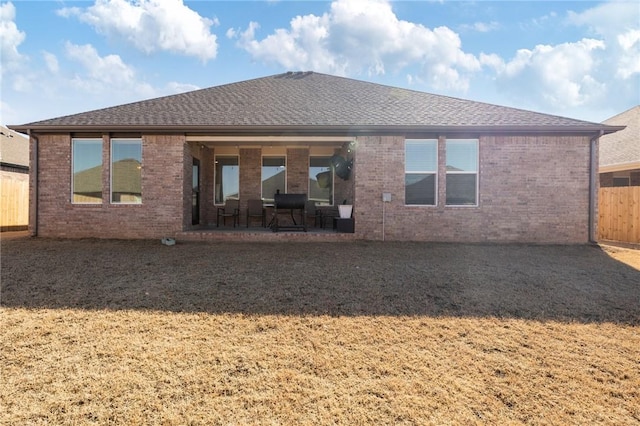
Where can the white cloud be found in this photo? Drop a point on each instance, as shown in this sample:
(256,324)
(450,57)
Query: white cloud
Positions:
(482,27)
(79,80)
(103,74)
(629,39)
(51,61)
(597,72)
(231,33)
(539,22)
(358,36)
(563,75)
(108,69)
(10,39)
(175,87)
(7,113)
(152,25)
(616,22)
(609,18)
(22,82)
(629,62)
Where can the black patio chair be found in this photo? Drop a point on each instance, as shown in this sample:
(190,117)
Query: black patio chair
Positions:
(328,216)
(313,212)
(256,209)
(231,209)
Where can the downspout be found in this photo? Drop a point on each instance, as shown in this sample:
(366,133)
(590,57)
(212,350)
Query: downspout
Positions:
(34,171)
(593,186)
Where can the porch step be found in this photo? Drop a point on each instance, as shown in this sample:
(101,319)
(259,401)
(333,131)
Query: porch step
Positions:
(248,235)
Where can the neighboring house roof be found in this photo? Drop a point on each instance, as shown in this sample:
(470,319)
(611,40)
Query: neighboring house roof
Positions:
(125,175)
(88,181)
(272,184)
(310,102)
(621,150)
(14,148)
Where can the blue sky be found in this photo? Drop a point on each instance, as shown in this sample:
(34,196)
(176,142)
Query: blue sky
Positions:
(577,59)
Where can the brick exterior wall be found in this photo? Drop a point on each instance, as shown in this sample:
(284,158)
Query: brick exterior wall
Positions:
(298,170)
(532,189)
(250,178)
(207,192)
(189,151)
(160,214)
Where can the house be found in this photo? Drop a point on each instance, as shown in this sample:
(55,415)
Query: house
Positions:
(415,166)
(619,195)
(620,152)
(14,180)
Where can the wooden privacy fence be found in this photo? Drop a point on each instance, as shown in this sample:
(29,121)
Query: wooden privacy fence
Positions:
(619,214)
(14,201)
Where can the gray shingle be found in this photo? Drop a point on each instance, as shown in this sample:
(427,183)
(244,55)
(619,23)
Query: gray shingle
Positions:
(303,99)
(622,147)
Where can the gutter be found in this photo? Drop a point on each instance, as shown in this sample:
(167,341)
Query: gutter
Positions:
(327,130)
(593,187)
(34,174)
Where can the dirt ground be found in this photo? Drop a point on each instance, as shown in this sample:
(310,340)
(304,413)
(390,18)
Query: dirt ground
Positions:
(100,332)
(569,283)
(630,256)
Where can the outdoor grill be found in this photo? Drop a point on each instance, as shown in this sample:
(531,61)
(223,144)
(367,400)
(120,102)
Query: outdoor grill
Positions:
(289,203)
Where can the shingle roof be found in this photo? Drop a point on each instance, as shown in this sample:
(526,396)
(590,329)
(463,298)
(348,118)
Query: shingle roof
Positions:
(308,100)
(622,147)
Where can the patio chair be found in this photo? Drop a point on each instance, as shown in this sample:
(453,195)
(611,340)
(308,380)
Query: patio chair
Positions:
(231,209)
(328,216)
(313,212)
(256,209)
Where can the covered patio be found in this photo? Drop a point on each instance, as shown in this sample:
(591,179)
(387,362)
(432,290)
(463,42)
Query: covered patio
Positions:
(230,175)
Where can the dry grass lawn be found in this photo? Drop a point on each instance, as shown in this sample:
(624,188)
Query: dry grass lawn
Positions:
(133,332)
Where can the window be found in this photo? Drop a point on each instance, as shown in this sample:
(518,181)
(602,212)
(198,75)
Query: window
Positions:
(421,171)
(462,172)
(86,157)
(226,178)
(321,180)
(126,171)
(621,180)
(273,176)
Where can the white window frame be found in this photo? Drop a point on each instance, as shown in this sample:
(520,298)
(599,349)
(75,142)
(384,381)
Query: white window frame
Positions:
(423,172)
(261,177)
(215,177)
(476,172)
(73,181)
(111,145)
